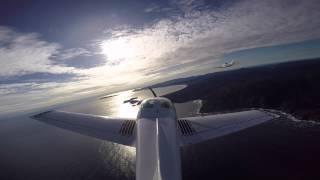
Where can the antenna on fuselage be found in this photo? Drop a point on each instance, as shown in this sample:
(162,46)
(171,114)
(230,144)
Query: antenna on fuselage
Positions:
(154,94)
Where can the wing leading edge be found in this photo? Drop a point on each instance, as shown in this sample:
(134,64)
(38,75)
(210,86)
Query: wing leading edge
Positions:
(201,128)
(120,131)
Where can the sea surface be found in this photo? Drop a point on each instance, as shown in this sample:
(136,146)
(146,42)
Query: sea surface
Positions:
(280,149)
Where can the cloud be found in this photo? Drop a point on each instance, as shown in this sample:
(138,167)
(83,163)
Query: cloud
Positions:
(78,58)
(186,43)
(152,8)
(188,5)
(22,97)
(25,53)
(30,75)
(200,35)
(175,7)
(38,78)
(71,53)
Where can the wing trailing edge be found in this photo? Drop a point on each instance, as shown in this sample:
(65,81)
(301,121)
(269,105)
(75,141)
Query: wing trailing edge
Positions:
(118,130)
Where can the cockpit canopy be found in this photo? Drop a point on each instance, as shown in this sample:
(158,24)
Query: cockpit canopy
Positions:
(156,108)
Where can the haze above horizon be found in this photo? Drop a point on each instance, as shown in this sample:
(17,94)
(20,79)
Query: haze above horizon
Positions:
(53,52)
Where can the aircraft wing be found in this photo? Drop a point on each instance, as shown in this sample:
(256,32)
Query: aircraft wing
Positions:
(201,128)
(120,131)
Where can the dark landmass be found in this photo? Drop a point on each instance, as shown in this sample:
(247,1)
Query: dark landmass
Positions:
(292,87)
(280,149)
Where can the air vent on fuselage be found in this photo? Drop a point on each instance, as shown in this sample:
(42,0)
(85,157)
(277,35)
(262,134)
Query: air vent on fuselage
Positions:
(186,127)
(127,127)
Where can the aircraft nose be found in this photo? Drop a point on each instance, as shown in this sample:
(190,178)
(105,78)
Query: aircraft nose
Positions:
(154,108)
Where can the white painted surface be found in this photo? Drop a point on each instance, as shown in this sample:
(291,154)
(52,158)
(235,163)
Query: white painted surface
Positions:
(156,136)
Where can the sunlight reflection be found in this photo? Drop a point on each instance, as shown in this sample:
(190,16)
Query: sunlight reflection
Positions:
(119,160)
(123,109)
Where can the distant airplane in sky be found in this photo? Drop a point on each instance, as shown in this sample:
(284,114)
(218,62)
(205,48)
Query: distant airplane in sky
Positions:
(227,64)
(157,132)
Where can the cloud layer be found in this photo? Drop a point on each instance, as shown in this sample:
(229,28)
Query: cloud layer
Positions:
(191,38)
(198,36)
(25,53)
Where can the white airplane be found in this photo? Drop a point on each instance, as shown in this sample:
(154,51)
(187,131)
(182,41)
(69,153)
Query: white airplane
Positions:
(227,64)
(157,132)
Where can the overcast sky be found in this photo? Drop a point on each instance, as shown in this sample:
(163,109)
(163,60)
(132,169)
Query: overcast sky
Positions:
(55,51)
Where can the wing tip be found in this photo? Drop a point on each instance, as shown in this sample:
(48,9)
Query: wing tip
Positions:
(38,116)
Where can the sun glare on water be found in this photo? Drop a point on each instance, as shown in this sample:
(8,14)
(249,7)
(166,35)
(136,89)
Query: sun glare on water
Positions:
(124,109)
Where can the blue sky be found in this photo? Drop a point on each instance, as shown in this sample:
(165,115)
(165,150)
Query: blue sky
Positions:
(57,51)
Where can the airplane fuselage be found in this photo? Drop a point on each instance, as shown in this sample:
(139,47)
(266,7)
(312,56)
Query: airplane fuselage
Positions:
(158,149)
(228,64)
